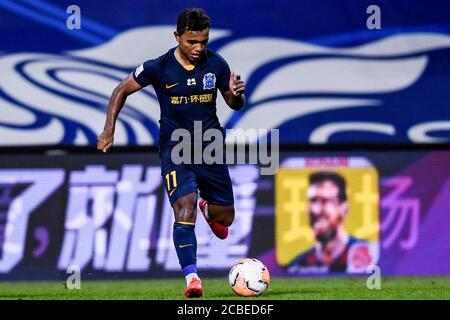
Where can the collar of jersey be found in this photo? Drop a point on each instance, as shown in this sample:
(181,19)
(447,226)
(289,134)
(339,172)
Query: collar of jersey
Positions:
(189,67)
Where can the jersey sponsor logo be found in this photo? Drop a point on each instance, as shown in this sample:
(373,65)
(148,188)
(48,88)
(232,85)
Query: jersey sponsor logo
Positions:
(139,70)
(168,86)
(209,81)
(191,82)
(185,245)
(196,98)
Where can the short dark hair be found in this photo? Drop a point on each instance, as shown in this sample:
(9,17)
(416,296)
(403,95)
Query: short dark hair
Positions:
(334,177)
(193,19)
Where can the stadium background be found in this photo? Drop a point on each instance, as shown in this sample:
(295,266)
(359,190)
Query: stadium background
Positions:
(337,91)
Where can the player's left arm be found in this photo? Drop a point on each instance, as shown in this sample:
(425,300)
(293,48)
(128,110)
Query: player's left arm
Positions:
(234,97)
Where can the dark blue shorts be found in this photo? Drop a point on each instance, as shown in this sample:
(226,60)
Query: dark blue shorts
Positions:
(212,180)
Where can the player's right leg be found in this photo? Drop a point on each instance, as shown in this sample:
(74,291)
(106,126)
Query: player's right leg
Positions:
(186,243)
(181,188)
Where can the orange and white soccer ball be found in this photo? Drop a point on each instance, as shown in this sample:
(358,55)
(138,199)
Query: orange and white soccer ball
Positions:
(249,277)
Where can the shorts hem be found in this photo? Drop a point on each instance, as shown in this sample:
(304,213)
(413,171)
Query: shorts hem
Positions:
(220,203)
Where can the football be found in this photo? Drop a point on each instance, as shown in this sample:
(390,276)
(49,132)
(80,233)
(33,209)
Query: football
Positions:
(249,277)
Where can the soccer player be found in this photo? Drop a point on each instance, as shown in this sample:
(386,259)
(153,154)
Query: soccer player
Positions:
(328,208)
(186,80)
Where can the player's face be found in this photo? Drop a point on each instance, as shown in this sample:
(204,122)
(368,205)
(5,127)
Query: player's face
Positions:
(326,211)
(193,43)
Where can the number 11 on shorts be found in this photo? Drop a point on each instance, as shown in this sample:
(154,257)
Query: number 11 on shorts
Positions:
(170,186)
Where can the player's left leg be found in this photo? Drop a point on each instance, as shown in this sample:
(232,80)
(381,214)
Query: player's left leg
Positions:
(216,190)
(218,217)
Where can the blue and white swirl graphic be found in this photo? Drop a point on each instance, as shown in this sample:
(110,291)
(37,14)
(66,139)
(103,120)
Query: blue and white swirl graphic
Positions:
(393,88)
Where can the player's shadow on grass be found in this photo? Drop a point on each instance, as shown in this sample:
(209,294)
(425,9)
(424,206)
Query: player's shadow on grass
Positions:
(33,296)
(289,293)
(264,295)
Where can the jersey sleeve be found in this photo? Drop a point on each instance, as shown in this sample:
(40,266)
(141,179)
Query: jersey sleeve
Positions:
(147,73)
(223,83)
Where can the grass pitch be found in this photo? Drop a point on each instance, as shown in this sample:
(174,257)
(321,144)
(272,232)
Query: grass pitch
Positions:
(354,288)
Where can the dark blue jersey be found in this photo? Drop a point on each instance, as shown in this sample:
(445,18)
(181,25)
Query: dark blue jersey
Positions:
(185,95)
(310,259)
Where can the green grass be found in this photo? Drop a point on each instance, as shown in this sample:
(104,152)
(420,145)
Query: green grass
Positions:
(392,288)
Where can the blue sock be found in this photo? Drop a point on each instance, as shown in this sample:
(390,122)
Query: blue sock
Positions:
(186,246)
(191,268)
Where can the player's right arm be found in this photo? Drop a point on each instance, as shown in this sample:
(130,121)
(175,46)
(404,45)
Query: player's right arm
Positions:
(118,97)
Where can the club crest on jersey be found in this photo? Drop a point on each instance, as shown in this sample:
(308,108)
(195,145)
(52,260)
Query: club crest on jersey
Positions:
(209,81)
